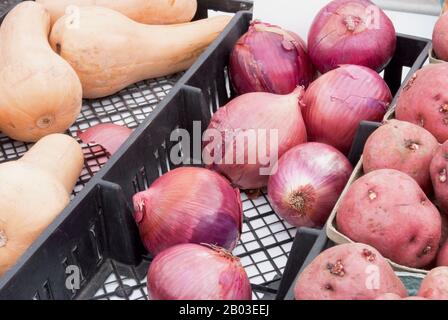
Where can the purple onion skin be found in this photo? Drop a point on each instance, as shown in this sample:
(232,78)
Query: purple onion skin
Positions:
(336,103)
(196,272)
(250,111)
(270,59)
(309,180)
(340,35)
(189,205)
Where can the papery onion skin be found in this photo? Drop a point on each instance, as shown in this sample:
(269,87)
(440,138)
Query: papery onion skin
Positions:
(108,135)
(341,34)
(189,205)
(309,180)
(263,111)
(336,103)
(196,272)
(270,59)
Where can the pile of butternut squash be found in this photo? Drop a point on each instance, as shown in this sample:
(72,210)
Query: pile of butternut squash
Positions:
(96,48)
(52,54)
(143,11)
(109,51)
(33,192)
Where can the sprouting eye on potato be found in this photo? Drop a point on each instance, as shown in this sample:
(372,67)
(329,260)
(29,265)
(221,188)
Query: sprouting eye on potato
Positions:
(348,272)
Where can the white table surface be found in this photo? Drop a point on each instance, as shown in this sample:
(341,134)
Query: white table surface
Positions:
(298,15)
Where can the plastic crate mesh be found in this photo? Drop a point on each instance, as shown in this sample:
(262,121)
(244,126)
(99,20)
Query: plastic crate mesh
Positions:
(6,4)
(263,250)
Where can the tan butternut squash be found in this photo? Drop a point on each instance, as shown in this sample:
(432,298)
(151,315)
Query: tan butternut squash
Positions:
(110,51)
(143,11)
(33,192)
(40,93)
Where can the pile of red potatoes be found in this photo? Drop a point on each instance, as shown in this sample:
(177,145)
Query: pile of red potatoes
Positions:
(398,209)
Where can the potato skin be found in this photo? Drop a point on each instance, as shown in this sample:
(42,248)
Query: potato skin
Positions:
(347,272)
(402,146)
(424,100)
(393,296)
(440,38)
(389,211)
(442,259)
(439,176)
(414,298)
(435,285)
(389,296)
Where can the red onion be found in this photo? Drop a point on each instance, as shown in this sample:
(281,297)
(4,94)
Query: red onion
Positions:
(351,32)
(256,113)
(308,182)
(338,101)
(197,272)
(108,135)
(189,205)
(270,59)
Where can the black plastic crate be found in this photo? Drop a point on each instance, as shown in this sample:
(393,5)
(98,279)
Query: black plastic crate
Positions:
(97,234)
(5,5)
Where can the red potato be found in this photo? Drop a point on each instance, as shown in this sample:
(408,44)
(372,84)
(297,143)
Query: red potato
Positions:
(439,176)
(394,296)
(440,38)
(389,296)
(350,271)
(442,259)
(435,285)
(402,146)
(424,100)
(444,229)
(389,211)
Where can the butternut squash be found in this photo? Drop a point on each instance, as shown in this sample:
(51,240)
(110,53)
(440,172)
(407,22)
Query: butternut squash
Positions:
(110,51)
(40,93)
(33,192)
(143,11)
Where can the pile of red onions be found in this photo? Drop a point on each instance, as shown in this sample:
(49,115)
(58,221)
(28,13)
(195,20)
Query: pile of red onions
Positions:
(270,59)
(338,101)
(189,205)
(197,272)
(351,32)
(262,114)
(307,184)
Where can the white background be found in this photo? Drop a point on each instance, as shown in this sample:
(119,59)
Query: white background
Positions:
(297,15)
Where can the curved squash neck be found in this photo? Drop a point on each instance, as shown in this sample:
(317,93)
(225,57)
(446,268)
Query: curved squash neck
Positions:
(60,156)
